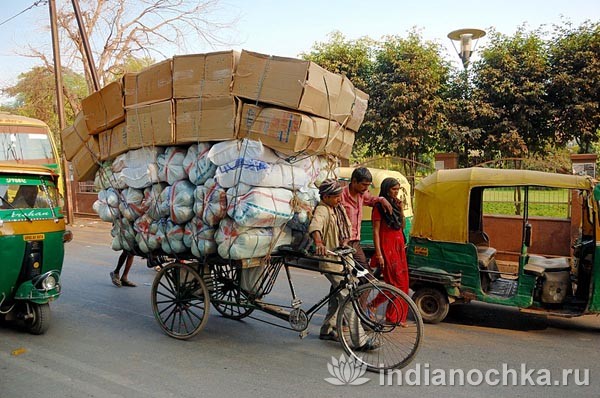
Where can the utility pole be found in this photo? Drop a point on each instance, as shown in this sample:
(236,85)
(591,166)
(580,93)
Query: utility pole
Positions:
(60,107)
(86,46)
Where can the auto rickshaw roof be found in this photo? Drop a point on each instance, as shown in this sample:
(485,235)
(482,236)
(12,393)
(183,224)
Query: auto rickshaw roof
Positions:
(7,119)
(442,198)
(23,169)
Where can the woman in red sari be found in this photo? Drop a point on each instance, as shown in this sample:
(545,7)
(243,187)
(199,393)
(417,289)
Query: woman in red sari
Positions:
(390,255)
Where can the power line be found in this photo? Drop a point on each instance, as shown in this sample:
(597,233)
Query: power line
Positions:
(35,4)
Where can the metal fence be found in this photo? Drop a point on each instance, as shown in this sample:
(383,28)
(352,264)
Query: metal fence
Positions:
(543,202)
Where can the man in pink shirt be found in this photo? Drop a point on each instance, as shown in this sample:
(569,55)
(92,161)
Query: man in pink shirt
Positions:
(354,196)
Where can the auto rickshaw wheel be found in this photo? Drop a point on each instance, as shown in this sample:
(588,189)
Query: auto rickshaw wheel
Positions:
(432,304)
(40,320)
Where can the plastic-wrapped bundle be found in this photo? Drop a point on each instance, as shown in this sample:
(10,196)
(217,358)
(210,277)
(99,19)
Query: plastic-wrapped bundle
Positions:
(137,177)
(303,206)
(146,236)
(170,165)
(131,204)
(171,235)
(196,163)
(200,238)
(237,242)
(123,236)
(211,202)
(105,178)
(260,173)
(262,207)
(136,158)
(329,168)
(177,202)
(107,205)
(228,151)
(151,199)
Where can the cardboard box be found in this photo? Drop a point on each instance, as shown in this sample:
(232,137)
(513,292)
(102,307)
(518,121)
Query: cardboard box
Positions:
(85,162)
(104,109)
(153,84)
(352,106)
(205,119)
(113,142)
(286,131)
(341,143)
(297,84)
(204,75)
(74,136)
(151,125)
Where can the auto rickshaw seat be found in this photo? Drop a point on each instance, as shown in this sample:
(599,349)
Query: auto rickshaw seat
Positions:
(485,255)
(538,265)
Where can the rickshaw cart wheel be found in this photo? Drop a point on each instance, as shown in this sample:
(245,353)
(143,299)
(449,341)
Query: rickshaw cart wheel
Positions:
(432,304)
(392,328)
(225,292)
(180,301)
(40,322)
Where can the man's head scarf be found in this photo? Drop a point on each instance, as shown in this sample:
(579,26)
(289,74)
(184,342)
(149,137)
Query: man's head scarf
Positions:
(330,186)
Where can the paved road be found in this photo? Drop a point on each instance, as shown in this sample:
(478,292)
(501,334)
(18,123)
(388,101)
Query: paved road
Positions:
(104,342)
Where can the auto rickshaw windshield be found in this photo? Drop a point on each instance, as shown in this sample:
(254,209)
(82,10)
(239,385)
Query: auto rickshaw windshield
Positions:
(20,193)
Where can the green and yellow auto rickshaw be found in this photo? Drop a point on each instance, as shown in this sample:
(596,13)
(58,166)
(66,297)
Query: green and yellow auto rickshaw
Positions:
(366,231)
(32,237)
(519,238)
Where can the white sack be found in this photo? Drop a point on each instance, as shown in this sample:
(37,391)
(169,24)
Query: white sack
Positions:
(262,207)
(200,238)
(237,243)
(196,163)
(136,158)
(228,151)
(170,165)
(210,203)
(259,173)
(177,202)
(107,205)
(171,235)
(131,204)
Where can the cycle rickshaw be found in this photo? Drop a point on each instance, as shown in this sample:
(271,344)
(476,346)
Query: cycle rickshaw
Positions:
(183,291)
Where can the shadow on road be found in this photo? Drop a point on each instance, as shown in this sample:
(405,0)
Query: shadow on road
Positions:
(493,316)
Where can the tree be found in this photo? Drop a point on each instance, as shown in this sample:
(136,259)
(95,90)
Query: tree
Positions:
(464,132)
(121,30)
(406,98)
(35,94)
(511,80)
(352,58)
(574,87)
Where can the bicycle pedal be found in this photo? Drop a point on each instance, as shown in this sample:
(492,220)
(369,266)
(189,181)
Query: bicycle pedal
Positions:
(303,334)
(296,303)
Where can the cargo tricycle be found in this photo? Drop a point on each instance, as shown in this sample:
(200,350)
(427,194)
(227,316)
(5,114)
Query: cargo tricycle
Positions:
(455,255)
(386,338)
(32,237)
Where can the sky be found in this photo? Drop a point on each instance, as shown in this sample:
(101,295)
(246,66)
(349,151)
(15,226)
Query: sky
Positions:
(288,28)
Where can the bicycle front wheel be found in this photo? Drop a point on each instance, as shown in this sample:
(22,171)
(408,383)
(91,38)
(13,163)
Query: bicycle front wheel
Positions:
(380,327)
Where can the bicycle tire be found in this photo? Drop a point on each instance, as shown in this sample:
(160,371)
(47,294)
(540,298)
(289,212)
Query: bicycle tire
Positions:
(391,335)
(180,301)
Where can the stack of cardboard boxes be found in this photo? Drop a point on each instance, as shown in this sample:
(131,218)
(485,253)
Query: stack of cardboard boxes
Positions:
(291,105)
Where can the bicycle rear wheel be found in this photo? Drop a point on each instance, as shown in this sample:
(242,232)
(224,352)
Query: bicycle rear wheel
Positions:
(380,327)
(180,301)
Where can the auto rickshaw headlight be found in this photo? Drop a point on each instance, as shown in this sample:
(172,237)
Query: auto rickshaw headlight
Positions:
(49,282)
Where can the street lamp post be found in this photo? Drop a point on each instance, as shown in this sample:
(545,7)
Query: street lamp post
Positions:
(466,37)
